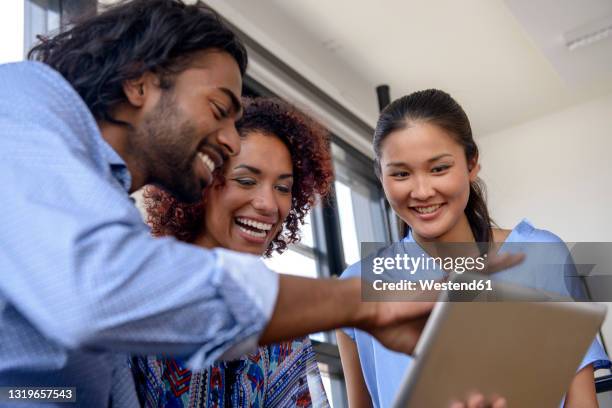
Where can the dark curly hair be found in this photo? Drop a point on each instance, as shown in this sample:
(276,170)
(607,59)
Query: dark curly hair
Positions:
(99,53)
(308,145)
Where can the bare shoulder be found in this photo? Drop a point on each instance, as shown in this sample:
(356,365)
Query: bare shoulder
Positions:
(500,235)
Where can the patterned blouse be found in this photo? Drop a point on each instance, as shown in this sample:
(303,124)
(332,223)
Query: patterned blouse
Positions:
(280,375)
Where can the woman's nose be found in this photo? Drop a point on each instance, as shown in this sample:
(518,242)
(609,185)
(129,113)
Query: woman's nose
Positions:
(265,201)
(422,189)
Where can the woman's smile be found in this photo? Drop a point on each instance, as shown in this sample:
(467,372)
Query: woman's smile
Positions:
(246,211)
(253,230)
(429,212)
(426,179)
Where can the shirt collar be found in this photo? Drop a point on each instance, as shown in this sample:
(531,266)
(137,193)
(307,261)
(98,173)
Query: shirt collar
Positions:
(117,165)
(523,228)
(50,86)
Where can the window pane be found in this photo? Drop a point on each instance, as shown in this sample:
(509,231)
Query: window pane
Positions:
(292,263)
(320,336)
(334,387)
(327,386)
(41,17)
(306,232)
(350,243)
(11,31)
(362,216)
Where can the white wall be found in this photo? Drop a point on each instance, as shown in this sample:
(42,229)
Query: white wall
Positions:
(556,171)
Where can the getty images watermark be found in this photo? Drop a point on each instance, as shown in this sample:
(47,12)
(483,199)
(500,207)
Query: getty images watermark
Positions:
(411,264)
(552,271)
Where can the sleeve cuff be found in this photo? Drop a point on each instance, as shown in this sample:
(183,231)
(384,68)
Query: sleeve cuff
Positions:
(596,356)
(258,282)
(349,331)
(249,290)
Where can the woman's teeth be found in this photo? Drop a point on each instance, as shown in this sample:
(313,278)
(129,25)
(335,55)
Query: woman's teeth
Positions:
(255,229)
(258,225)
(427,210)
(252,233)
(207,161)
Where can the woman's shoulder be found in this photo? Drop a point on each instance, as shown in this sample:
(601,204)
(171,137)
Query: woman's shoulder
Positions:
(378,250)
(540,245)
(525,231)
(352,271)
(500,235)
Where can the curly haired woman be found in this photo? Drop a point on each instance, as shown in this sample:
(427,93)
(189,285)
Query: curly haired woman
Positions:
(257,206)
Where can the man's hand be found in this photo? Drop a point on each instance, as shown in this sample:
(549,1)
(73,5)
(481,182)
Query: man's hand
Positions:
(397,325)
(310,305)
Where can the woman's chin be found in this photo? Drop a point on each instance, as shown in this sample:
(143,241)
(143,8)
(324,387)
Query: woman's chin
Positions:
(427,234)
(249,248)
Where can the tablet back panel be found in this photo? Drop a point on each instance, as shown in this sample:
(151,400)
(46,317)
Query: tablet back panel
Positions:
(527,352)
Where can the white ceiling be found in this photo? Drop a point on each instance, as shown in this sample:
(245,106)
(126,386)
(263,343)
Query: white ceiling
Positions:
(551,24)
(505,62)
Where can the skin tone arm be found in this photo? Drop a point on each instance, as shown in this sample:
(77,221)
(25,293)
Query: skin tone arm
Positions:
(311,305)
(581,393)
(308,306)
(356,389)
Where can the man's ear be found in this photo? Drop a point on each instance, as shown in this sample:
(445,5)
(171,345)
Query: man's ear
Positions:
(474,168)
(137,91)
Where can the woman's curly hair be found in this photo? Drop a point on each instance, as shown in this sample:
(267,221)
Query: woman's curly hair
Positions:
(308,145)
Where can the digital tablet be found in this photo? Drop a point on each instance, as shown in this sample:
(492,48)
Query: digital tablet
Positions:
(526,351)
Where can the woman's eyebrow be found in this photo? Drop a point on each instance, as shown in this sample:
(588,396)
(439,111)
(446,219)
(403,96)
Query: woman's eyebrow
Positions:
(404,164)
(397,164)
(438,157)
(249,168)
(257,171)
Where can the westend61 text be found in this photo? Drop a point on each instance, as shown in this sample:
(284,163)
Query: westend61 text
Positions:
(479,285)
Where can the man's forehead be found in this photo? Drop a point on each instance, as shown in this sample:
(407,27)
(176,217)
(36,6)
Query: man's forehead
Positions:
(217,69)
(213,69)
(213,59)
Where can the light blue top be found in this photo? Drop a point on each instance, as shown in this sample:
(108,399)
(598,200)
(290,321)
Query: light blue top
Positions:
(384,370)
(80,276)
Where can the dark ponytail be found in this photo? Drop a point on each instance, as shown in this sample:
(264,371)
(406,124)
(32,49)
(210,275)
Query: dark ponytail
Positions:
(438,108)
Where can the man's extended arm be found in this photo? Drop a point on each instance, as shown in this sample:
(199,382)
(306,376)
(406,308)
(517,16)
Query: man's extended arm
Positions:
(308,305)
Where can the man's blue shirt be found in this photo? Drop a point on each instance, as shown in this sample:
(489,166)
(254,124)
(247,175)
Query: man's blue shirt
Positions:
(81,279)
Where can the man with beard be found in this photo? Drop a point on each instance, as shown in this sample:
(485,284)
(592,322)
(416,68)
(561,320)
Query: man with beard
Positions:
(146,92)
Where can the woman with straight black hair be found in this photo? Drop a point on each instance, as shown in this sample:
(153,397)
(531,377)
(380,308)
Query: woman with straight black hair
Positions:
(427,161)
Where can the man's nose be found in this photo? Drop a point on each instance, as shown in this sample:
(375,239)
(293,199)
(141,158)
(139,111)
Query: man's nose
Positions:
(229,139)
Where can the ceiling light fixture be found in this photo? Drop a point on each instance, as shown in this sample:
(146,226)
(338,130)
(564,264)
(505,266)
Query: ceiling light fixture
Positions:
(588,34)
